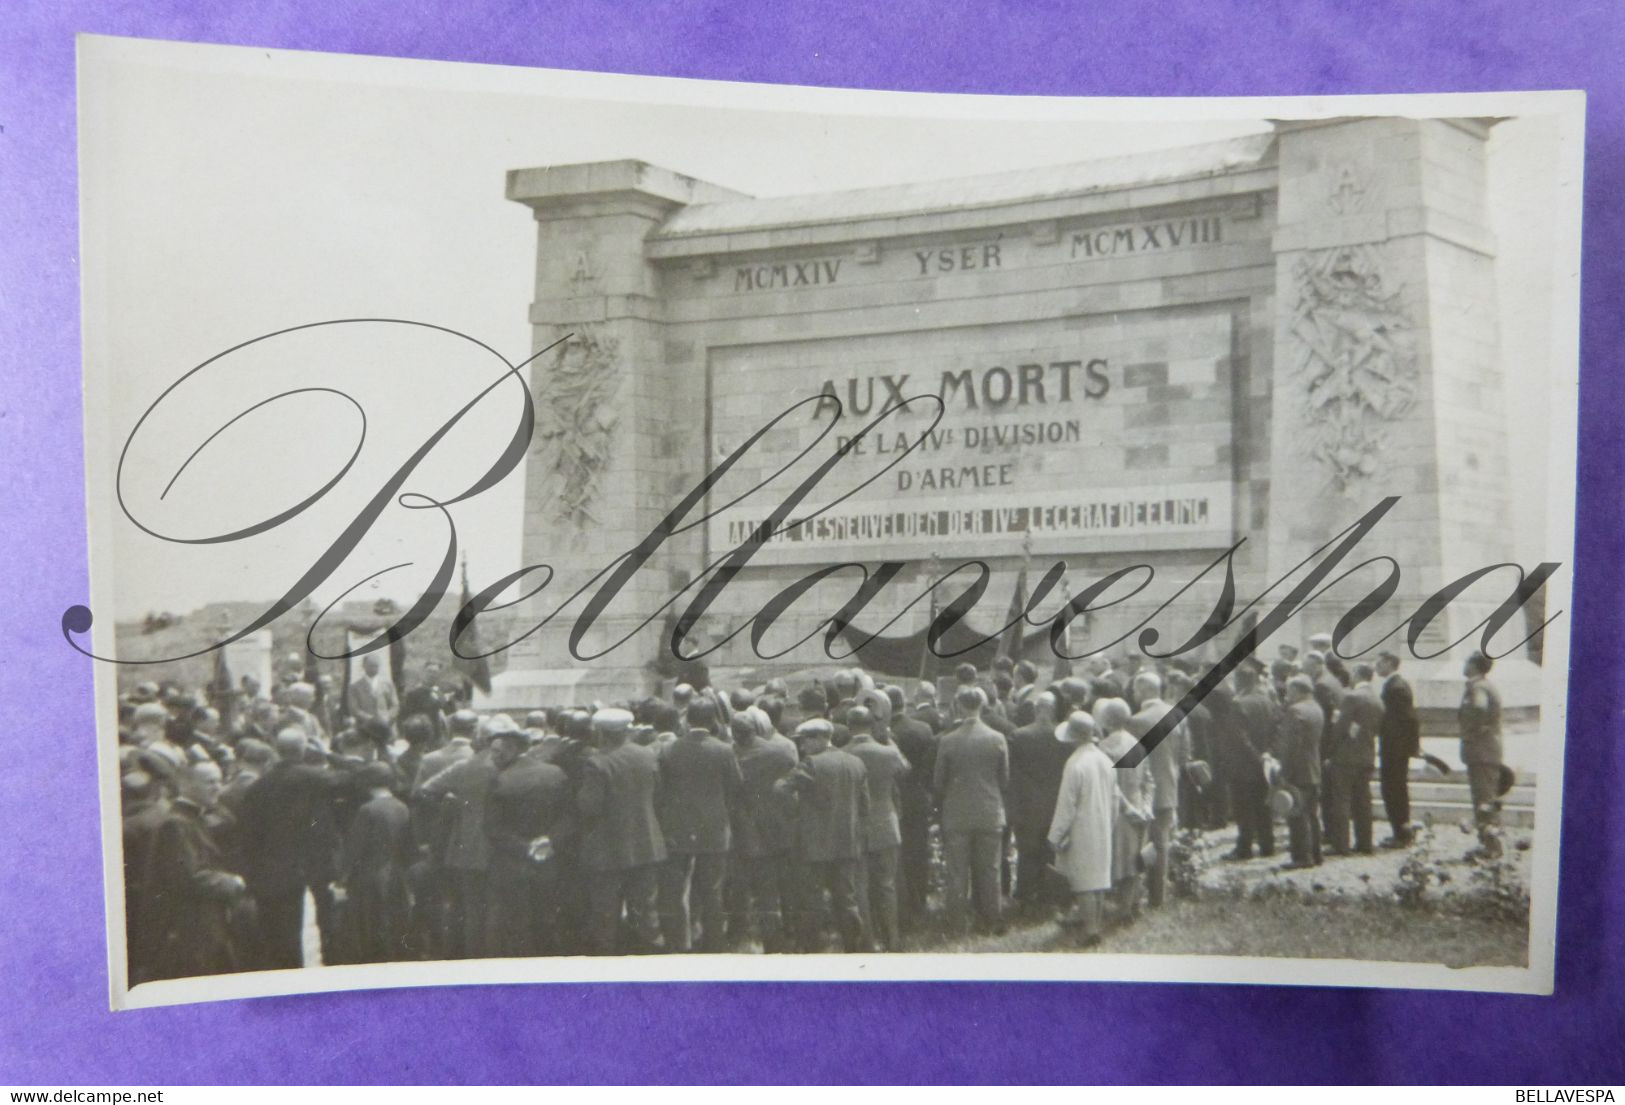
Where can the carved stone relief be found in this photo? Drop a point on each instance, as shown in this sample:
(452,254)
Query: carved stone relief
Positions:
(1356,359)
(578,411)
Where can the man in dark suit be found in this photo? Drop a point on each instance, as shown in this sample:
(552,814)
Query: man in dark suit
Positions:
(622,845)
(926,709)
(1299,751)
(1329,690)
(699,795)
(1243,734)
(458,794)
(1037,761)
(885,768)
(1349,758)
(529,800)
(972,772)
(1398,740)
(917,741)
(765,837)
(290,844)
(832,803)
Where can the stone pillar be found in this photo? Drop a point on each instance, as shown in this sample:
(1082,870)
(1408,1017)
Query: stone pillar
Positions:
(1387,370)
(608,459)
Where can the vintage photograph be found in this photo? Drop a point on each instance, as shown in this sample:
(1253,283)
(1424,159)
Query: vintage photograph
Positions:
(551,526)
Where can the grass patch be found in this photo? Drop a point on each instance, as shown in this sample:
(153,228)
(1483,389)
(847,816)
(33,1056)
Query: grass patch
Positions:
(1287,927)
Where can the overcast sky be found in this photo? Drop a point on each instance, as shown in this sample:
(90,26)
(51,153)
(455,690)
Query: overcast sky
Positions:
(229,193)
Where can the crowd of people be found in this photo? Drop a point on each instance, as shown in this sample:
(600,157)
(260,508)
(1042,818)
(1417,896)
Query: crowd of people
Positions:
(843,813)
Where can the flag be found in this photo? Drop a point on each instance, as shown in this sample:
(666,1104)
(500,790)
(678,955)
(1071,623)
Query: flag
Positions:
(478,670)
(929,661)
(1010,644)
(1063,655)
(313,676)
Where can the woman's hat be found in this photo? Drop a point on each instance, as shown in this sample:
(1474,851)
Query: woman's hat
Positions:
(1077,728)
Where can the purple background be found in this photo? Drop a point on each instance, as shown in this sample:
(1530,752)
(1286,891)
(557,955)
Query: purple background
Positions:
(54,1024)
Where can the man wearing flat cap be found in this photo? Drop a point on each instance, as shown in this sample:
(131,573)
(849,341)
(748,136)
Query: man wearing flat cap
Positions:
(832,803)
(622,845)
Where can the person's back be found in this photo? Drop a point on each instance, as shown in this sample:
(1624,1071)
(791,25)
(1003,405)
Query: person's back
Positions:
(766,821)
(1255,714)
(1301,728)
(529,798)
(699,787)
(442,759)
(379,839)
(832,800)
(619,788)
(1358,724)
(466,784)
(287,828)
(884,769)
(973,768)
(1167,759)
(1037,762)
(1479,718)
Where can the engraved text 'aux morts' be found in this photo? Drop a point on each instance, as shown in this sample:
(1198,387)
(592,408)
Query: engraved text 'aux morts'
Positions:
(1305,582)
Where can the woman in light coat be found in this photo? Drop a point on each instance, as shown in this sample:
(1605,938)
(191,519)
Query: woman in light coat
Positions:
(1081,831)
(1135,789)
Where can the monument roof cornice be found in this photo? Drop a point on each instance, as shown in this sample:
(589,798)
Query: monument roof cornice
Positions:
(1156,179)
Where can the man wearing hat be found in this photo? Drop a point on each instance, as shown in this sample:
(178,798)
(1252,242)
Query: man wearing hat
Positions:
(831,794)
(970,777)
(622,845)
(814,704)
